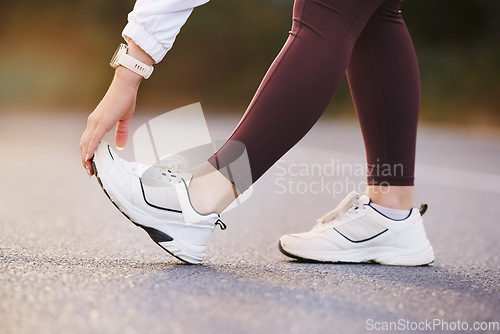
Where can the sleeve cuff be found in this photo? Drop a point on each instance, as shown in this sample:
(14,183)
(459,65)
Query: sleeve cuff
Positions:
(145,41)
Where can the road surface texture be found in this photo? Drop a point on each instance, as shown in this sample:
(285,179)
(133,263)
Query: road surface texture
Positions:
(71,263)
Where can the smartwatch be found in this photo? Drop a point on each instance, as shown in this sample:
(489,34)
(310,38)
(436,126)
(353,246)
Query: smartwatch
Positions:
(121,58)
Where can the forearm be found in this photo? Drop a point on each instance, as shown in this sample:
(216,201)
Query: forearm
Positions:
(153,26)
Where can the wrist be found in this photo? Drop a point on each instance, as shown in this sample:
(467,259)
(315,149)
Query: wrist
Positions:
(135,51)
(133,59)
(125,76)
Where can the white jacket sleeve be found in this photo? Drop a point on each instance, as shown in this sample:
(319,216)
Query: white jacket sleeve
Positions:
(154,24)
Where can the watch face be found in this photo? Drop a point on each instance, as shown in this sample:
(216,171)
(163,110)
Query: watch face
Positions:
(114,60)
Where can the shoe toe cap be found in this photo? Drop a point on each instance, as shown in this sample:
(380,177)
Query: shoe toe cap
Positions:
(110,170)
(308,241)
(104,156)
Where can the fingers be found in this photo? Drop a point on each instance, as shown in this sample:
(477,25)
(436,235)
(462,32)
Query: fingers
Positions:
(83,146)
(116,108)
(89,141)
(94,141)
(121,134)
(84,140)
(85,155)
(88,167)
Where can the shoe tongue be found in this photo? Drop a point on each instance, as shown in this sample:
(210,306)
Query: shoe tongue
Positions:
(364,200)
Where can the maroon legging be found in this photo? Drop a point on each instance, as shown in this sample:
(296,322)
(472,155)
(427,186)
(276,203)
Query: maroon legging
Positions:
(369,39)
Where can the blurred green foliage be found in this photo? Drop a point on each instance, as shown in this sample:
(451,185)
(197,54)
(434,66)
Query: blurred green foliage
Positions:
(55,55)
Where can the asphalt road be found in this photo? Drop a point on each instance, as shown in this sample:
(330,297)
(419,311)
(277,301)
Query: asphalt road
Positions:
(71,263)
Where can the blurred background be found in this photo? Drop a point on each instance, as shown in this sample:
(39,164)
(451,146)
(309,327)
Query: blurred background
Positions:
(71,263)
(55,57)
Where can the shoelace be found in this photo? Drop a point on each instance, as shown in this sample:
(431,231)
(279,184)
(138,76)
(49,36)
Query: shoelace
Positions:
(173,163)
(168,168)
(348,205)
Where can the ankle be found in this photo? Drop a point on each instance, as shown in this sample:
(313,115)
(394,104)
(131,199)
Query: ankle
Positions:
(393,197)
(395,214)
(211,193)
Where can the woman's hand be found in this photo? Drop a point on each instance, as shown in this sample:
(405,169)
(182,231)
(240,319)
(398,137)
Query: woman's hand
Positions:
(116,107)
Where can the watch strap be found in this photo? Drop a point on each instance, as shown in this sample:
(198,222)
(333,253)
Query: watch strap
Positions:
(135,65)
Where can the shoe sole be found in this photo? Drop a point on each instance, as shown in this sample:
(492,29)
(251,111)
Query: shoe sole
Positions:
(378,255)
(156,235)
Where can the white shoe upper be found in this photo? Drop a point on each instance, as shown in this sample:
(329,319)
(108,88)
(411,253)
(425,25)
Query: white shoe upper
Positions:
(356,232)
(156,198)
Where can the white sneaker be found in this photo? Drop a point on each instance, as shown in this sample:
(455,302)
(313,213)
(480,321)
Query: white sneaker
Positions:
(355,232)
(156,199)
